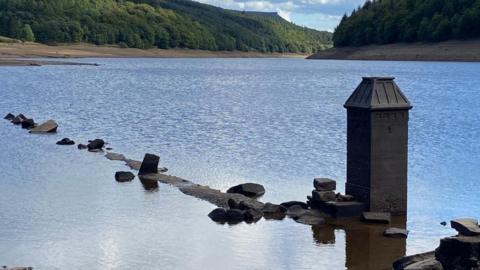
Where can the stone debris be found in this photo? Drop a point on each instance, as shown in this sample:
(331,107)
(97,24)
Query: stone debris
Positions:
(49,126)
(251,190)
(28,123)
(96,144)
(65,141)
(324,184)
(9,117)
(17,120)
(124,176)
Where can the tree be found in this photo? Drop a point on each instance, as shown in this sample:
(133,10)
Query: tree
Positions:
(27,33)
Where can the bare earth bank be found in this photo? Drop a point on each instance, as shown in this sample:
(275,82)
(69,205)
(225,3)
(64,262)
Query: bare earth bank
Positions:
(11,53)
(443,51)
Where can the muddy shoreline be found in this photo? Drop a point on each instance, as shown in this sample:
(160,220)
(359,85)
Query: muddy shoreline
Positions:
(459,51)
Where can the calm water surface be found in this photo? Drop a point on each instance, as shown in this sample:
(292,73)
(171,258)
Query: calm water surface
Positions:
(220,122)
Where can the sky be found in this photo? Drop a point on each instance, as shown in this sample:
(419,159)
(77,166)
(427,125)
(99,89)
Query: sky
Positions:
(317,14)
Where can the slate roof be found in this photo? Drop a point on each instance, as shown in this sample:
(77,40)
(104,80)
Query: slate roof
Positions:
(378,93)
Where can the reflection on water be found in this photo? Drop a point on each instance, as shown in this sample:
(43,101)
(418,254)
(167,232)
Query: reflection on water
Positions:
(365,246)
(220,122)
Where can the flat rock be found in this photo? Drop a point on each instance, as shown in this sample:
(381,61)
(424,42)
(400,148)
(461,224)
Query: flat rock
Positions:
(310,217)
(251,190)
(9,117)
(395,233)
(274,211)
(115,156)
(343,209)
(149,164)
(124,176)
(293,203)
(218,215)
(323,196)
(48,127)
(65,141)
(376,217)
(96,144)
(296,211)
(466,226)
(324,184)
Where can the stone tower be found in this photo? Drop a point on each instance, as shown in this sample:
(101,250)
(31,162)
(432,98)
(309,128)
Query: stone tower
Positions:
(377,145)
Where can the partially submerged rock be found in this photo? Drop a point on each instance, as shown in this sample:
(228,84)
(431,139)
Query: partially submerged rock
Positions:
(28,123)
(82,146)
(324,184)
(48,127)
(293,203)
(466,226)
(115,156)
(395,233)
(310,217)
(323,196)
(376,217)
(65,141)
(218,215)
(17,120)
(342,209)
(252,215)
(149,164)
(9,117)
(274,211)
(248,189)
(459,252)
(234,216)
(96,144)
(124,176)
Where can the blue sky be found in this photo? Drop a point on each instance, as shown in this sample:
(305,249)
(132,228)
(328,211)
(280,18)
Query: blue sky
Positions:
(318,14)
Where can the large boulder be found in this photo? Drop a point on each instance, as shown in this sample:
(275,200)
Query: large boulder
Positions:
(9,117)
(324,184)
(65,141)
(96,144)
(459,252)
(429,264)
(376,217)
(406,261)
(466,226)
(218,215)
(395,233)
(28,123)
(48,127)
(248,189)
(124,176)
(149,164)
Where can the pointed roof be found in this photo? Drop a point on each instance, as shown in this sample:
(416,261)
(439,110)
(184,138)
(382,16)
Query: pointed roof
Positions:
(378,93)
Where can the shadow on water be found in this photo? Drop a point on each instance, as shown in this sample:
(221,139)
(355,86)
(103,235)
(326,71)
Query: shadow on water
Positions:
(366,247)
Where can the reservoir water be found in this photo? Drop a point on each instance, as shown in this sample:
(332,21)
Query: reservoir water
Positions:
(220,122)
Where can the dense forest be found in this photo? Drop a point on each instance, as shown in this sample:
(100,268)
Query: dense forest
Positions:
(391,21)
(154,23)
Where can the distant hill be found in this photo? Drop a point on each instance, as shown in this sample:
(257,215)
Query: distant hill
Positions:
(393,21)
(155,23)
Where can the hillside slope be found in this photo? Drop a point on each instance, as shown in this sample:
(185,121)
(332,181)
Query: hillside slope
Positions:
(155,23)
(394,21)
